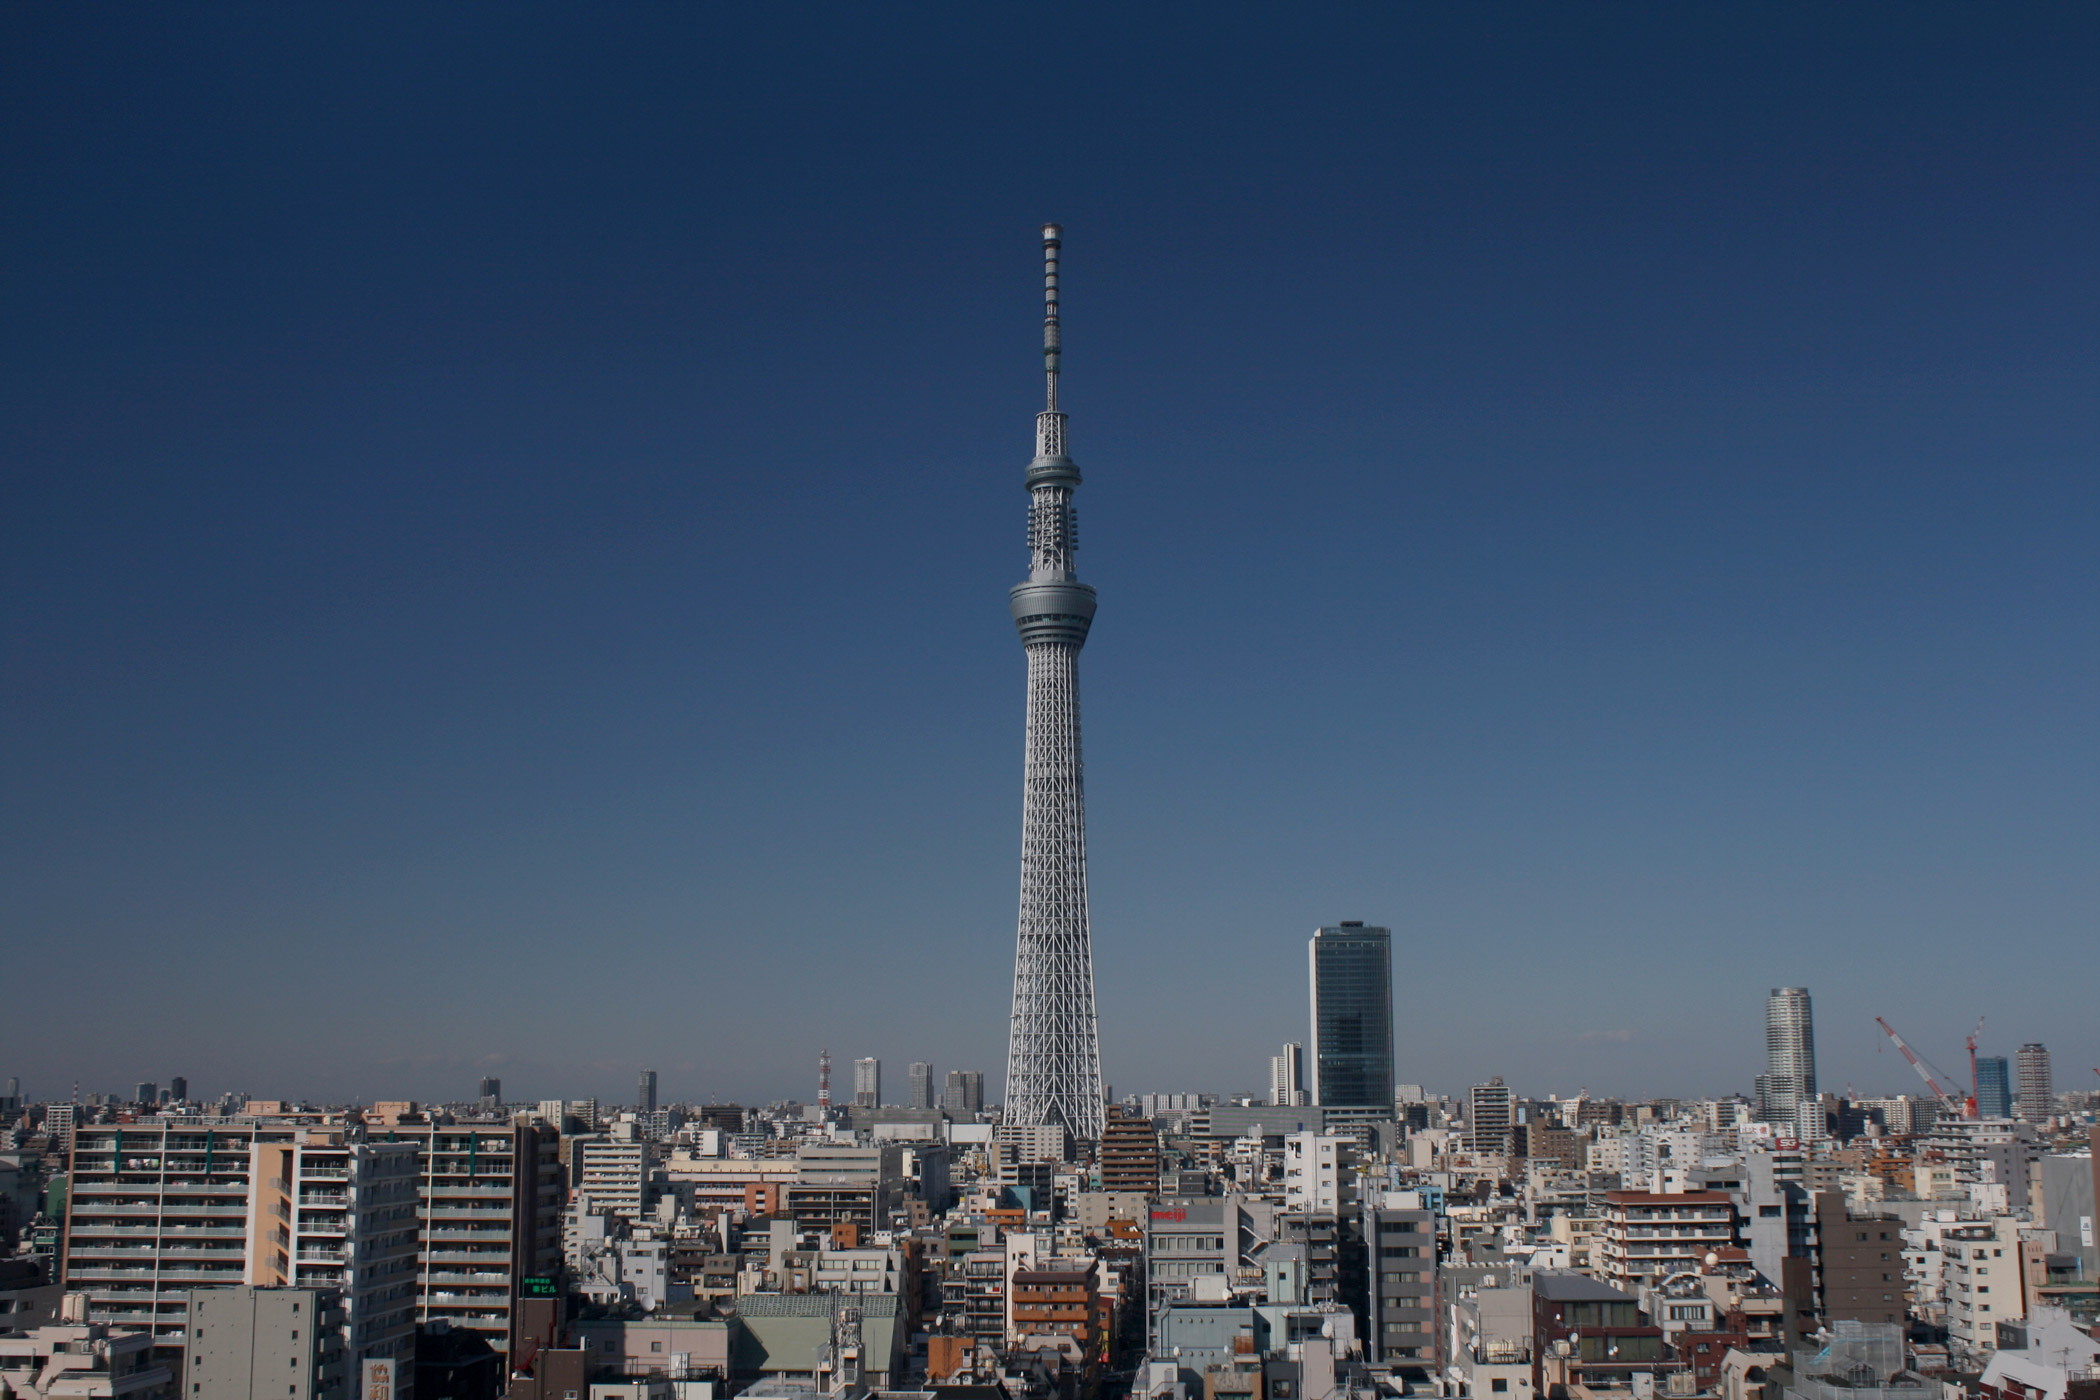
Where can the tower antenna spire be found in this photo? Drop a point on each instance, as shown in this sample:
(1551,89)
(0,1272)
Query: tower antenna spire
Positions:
(1053,239)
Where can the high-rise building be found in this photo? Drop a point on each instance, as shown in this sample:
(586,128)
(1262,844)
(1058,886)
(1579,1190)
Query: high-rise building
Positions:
(153,1210)
(921,1085)
(645,1092)
(146,1094)
(491,1219)
(491,1089)
(1490,1111)
(179,1088)
(1993,1087)
(867,1083)
(2037,1097)
(963,1094)
(1790,1055)
(487,1216)
(328,1212)
(1287,1077)
(1053,1058)
(1352,1016)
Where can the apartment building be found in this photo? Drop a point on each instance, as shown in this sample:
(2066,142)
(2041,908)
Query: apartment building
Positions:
(1400,1245)
(615,1173)
(1982,1283)
(1319,1172)
(846,1184)
(707,1186)
(162,1207)
(334,1215)
(1129,1153)
(154,1210)
(490,1218)
(1059,1302)
(1647,1235)
(1859,1264)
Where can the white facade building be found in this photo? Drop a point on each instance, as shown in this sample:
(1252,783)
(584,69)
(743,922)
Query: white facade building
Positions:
(1319,1172)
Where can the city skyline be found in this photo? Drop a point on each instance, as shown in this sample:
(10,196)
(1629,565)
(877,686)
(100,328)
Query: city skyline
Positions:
(1607,499)
(921,1074)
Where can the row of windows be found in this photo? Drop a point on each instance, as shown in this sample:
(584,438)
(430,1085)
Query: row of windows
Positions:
(1187,1244)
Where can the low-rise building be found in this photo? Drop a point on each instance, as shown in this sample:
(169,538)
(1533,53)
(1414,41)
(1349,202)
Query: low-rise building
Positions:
(1059,1305)
(82,1361)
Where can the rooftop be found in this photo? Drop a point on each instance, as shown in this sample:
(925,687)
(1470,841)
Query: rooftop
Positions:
(1557,1286)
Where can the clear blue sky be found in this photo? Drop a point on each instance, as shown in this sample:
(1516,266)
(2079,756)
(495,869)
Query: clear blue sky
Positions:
(508,513)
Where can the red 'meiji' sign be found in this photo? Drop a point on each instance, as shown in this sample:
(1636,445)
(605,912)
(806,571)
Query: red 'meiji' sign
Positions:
(1170,1215)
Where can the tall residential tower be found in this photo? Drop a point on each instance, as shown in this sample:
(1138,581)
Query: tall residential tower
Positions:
(1789,1079)
(2037,1099)
(1053,1057)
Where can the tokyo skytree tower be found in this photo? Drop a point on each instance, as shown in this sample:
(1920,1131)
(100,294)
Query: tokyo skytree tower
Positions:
(1053,1059)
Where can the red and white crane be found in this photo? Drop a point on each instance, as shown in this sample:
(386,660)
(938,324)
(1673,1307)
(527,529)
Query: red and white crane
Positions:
(1973,1085)
(1948,1102)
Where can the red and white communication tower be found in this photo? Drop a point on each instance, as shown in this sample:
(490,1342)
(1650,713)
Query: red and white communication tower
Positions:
(824,1080)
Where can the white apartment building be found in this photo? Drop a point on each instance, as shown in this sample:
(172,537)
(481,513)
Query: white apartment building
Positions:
(1982,1282)
(1319,1172)
(616,1174)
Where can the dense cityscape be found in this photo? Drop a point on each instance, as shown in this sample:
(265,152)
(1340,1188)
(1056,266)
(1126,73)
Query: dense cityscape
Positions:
(1340,1234)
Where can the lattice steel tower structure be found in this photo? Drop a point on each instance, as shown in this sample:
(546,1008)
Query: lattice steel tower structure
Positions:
(1053,1058)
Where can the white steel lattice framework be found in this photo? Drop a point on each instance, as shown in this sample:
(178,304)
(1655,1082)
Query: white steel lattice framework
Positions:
(1053,1061)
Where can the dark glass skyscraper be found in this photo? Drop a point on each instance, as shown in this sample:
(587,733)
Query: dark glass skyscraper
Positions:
(1352,1016)
(1994,1097)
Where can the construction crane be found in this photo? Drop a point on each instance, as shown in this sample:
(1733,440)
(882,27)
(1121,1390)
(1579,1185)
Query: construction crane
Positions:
(1973,1086)
(1947,1100)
